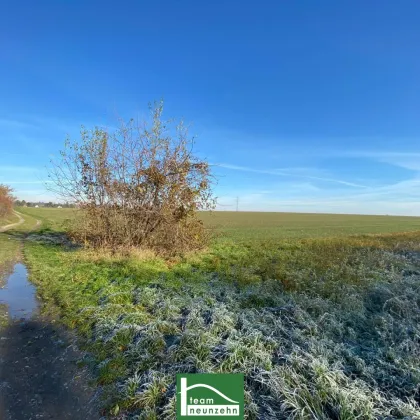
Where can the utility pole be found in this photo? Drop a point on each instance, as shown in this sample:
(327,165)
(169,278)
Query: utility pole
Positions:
(237,203)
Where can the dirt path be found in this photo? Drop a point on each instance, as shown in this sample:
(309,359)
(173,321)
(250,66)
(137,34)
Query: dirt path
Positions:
(39,376)
(12,225)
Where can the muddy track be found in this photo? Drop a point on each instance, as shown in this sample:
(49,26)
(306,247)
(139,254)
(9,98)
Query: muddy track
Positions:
(39,375)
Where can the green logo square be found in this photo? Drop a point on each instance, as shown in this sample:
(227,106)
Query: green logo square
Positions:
(210,395)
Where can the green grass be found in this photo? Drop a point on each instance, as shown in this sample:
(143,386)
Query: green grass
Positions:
(9,219)
(257,226)
(324,327)
(10,243)
(263,226)
(9,249)
(51,218)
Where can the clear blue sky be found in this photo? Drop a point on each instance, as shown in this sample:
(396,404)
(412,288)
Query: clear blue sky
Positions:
(302,105)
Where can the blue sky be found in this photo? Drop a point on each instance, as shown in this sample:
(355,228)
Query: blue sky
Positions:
(300,106)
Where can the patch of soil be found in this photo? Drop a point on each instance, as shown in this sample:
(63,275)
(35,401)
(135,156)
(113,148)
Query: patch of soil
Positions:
(39,376)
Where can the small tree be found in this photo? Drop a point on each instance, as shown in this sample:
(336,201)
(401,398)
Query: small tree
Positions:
(6,200)
(137,186)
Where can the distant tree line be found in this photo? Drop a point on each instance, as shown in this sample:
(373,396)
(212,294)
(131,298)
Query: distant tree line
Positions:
(50,204)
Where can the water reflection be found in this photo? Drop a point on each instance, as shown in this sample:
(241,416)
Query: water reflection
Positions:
(19,294)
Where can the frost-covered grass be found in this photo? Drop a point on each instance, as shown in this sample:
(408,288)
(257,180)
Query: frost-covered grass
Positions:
(325,328)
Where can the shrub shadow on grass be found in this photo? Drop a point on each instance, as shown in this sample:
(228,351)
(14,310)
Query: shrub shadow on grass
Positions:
(47,237)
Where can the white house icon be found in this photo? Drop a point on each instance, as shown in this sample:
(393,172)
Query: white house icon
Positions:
(223,408)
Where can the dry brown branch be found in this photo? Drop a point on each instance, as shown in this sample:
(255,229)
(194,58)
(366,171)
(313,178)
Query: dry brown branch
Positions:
(138,186)
(6,200)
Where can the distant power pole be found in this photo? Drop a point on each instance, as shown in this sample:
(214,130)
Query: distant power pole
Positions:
(237,203)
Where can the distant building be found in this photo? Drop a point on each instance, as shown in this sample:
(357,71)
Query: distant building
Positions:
(59,207)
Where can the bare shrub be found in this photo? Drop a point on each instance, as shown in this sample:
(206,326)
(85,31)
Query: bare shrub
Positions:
(6,200)
(139,185)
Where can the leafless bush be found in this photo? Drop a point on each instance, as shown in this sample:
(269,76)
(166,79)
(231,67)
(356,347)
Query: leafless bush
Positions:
(140,185)
(6,200)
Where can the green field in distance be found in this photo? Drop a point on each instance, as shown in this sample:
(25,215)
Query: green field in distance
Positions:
(265,225)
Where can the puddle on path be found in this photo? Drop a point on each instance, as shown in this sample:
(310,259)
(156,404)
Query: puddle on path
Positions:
(19,294)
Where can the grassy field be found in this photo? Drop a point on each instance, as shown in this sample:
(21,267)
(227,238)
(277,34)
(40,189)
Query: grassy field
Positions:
(51,218)
(11,218)
(9,241)
(8,248)
(265,226)
(322,324)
